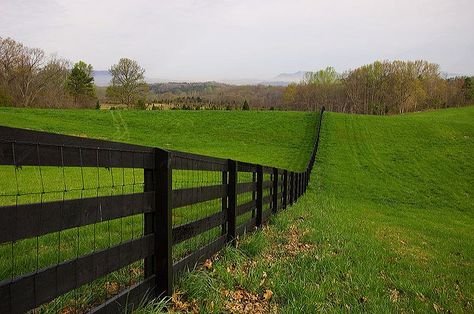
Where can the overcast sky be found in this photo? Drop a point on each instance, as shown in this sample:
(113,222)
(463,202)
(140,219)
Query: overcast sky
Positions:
(245,39)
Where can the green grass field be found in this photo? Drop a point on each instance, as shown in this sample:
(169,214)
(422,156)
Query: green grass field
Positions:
(387,225)
(275,138)
(248,136)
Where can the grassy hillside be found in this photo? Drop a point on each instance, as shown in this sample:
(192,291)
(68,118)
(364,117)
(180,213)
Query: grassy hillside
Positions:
(387,225)
(276,138)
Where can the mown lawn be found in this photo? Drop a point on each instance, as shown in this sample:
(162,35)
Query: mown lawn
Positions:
(387,225)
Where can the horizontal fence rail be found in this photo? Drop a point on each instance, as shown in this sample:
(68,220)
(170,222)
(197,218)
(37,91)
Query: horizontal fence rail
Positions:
(97,209)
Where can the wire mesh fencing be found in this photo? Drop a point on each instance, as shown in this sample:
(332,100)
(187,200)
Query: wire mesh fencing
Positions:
(67,205)
(91,225)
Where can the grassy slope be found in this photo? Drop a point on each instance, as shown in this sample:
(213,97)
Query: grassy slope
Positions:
(248,136)
(388,216)
(280,139)
(388,219)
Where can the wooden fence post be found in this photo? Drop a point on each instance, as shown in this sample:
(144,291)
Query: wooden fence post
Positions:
(254,193)
(258,219)
(291,187)
(285,188)
(275,190)
(296,187)
(303,184)
(300,184)
(232,197)
(307,181)
(162,226)
(224,203)
(149,218)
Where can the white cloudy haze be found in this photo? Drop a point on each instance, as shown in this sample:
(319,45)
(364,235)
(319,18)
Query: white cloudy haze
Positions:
(244,39)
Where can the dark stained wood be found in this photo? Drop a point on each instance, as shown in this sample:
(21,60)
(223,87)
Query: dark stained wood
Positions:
(267,185)
(258,221)
(246,167)
(163,224)
(275,190)
(224,204)
(246,187)
(186,161)
(189,196)
(31,220)
(232,199)
(194,228)
(149,218)
(22,147)
(246,207)
(29,291)
(267,199)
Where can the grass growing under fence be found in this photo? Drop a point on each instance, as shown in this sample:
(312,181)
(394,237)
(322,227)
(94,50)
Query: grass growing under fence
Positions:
(211,133)
(387,225)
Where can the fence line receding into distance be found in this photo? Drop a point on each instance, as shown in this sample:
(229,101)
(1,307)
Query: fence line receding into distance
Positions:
(120,220)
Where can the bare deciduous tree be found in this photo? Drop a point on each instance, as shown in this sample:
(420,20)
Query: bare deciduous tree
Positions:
(29,78)
(128,84)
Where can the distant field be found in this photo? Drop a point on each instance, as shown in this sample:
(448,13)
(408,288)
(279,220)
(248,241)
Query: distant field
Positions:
(386,226)
(276,138)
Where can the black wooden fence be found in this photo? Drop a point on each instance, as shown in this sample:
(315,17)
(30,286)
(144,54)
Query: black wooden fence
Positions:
(234,198)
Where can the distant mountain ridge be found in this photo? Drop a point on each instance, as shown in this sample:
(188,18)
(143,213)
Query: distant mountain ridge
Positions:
(102,78)
(290,77)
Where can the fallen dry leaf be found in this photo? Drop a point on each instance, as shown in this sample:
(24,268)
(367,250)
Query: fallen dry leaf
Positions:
(267,295)
(112,287)
(294,245)
(421,297)
(394,295)
(242,301)
(68,310)
(181,305)
(437,308)
(208,264)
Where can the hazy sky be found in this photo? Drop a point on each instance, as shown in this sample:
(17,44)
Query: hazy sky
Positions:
(243,39)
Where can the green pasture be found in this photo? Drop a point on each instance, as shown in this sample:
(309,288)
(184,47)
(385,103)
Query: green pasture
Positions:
(386,226)
(215,133)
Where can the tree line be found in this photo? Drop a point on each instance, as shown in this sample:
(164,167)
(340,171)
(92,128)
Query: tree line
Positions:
(29,78)
(385,87)
(213,95)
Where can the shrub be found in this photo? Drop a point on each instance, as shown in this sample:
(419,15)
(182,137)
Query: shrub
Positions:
(245,105)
